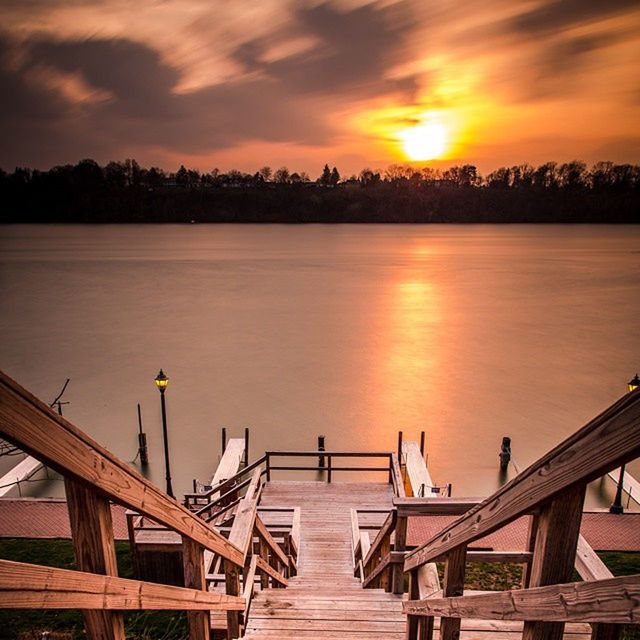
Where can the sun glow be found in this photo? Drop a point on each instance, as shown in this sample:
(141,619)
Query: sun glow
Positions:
(424,141)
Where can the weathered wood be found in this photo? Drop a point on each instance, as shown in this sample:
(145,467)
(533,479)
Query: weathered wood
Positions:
(34,427)
(194,578)
(263,532)
(247,592)
(385,531)
(400,545)
(265,567)
(232,586)
(588,563)
(22,471)
(454,570)
(95,552)
(295,530)
(616,600)
(555,552)
(242,529)
(607,441)
(532,532)
(417,471)
(602,631)
(263,552)
(434,506)
(396,477)
(428,580)
(28,586)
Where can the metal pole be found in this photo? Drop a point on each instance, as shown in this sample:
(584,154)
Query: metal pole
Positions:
(166,443)
(617,507)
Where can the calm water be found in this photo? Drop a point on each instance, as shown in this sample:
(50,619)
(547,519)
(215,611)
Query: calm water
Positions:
(354,332)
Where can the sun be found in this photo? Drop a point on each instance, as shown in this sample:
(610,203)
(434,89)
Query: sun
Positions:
(425,141)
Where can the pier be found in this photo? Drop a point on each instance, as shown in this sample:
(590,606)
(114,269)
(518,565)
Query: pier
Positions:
(283,547)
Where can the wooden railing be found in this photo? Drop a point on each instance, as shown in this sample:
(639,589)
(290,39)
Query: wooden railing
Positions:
(94,478)
(553,488)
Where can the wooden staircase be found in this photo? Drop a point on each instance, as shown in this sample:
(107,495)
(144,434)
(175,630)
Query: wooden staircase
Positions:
(324,600)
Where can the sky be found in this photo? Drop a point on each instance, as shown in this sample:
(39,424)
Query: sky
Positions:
(353,83)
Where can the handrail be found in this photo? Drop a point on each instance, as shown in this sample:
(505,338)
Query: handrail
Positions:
(224,483)
(30,586)
(614,600)
(606,442)
(31,425)
(396,477)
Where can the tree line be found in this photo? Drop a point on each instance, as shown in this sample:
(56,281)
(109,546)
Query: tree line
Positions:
(126,192)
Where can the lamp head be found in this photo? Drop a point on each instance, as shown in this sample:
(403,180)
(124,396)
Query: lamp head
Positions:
(161,381)
(634,383)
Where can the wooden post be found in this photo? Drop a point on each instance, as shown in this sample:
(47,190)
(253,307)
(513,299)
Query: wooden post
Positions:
(454,570)
(531,544)
(268,465)
(95,551)
(400,447)
(422,443)
(321,448)
(142,441)
(385,548)
(418,627)
(131,531)
(400,545)
(246,446)
(195,578)
(554,552)
(224,439)
(232,583)
(605,632)
(263,552)
(329,469)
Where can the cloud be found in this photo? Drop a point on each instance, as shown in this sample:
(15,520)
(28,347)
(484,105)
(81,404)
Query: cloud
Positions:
(353,50)
(557,15)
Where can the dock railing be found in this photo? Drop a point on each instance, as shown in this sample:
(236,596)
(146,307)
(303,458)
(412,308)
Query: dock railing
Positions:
(553,490)
(94,478)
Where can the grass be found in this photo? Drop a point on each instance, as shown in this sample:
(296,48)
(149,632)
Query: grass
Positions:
(160,625)
(29,624)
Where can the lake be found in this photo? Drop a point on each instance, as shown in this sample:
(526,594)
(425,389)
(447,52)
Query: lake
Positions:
(468,332)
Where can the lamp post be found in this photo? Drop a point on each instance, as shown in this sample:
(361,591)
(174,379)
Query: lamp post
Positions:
(161,382)
(617,507)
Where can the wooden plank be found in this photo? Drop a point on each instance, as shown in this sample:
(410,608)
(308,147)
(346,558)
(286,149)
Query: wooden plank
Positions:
(248,586)
(606,442)
(428,580)
(396,476)
(232,587)
(242,530)
(295,530)
(230,461)
(95,552)
(434,506)
(616,600)
(417,471)
(262,531)
(35,428)
(29,586)
(454,570)
(22,471)
(385,531)
(554,552)
(588,564)
(265,567)
(355,537)
(195,578)
(629,484)
(400,546)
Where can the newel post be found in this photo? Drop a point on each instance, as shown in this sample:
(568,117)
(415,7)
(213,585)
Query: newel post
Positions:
(95,552)
(195,578)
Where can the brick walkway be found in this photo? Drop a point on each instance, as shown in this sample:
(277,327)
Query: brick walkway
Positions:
(47,518)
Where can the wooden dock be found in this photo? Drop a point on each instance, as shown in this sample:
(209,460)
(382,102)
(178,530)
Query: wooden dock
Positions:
(261,557)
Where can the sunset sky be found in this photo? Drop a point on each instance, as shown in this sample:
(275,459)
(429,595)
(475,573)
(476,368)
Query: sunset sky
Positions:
(242,84)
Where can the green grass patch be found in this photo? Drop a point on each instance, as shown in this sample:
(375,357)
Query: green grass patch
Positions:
(29,624)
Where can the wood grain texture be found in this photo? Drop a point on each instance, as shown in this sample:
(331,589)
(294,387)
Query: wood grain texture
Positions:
(35,428)
(95,552)
(616,600)
(28,586)
(606,442)
(195,578)
(554,552)
(454,571)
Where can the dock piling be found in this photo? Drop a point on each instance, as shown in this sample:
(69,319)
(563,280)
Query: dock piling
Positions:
(400,446)
(142,441)
(246,446)
(321,448)
(422,443)
(224,439)
(505,452)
